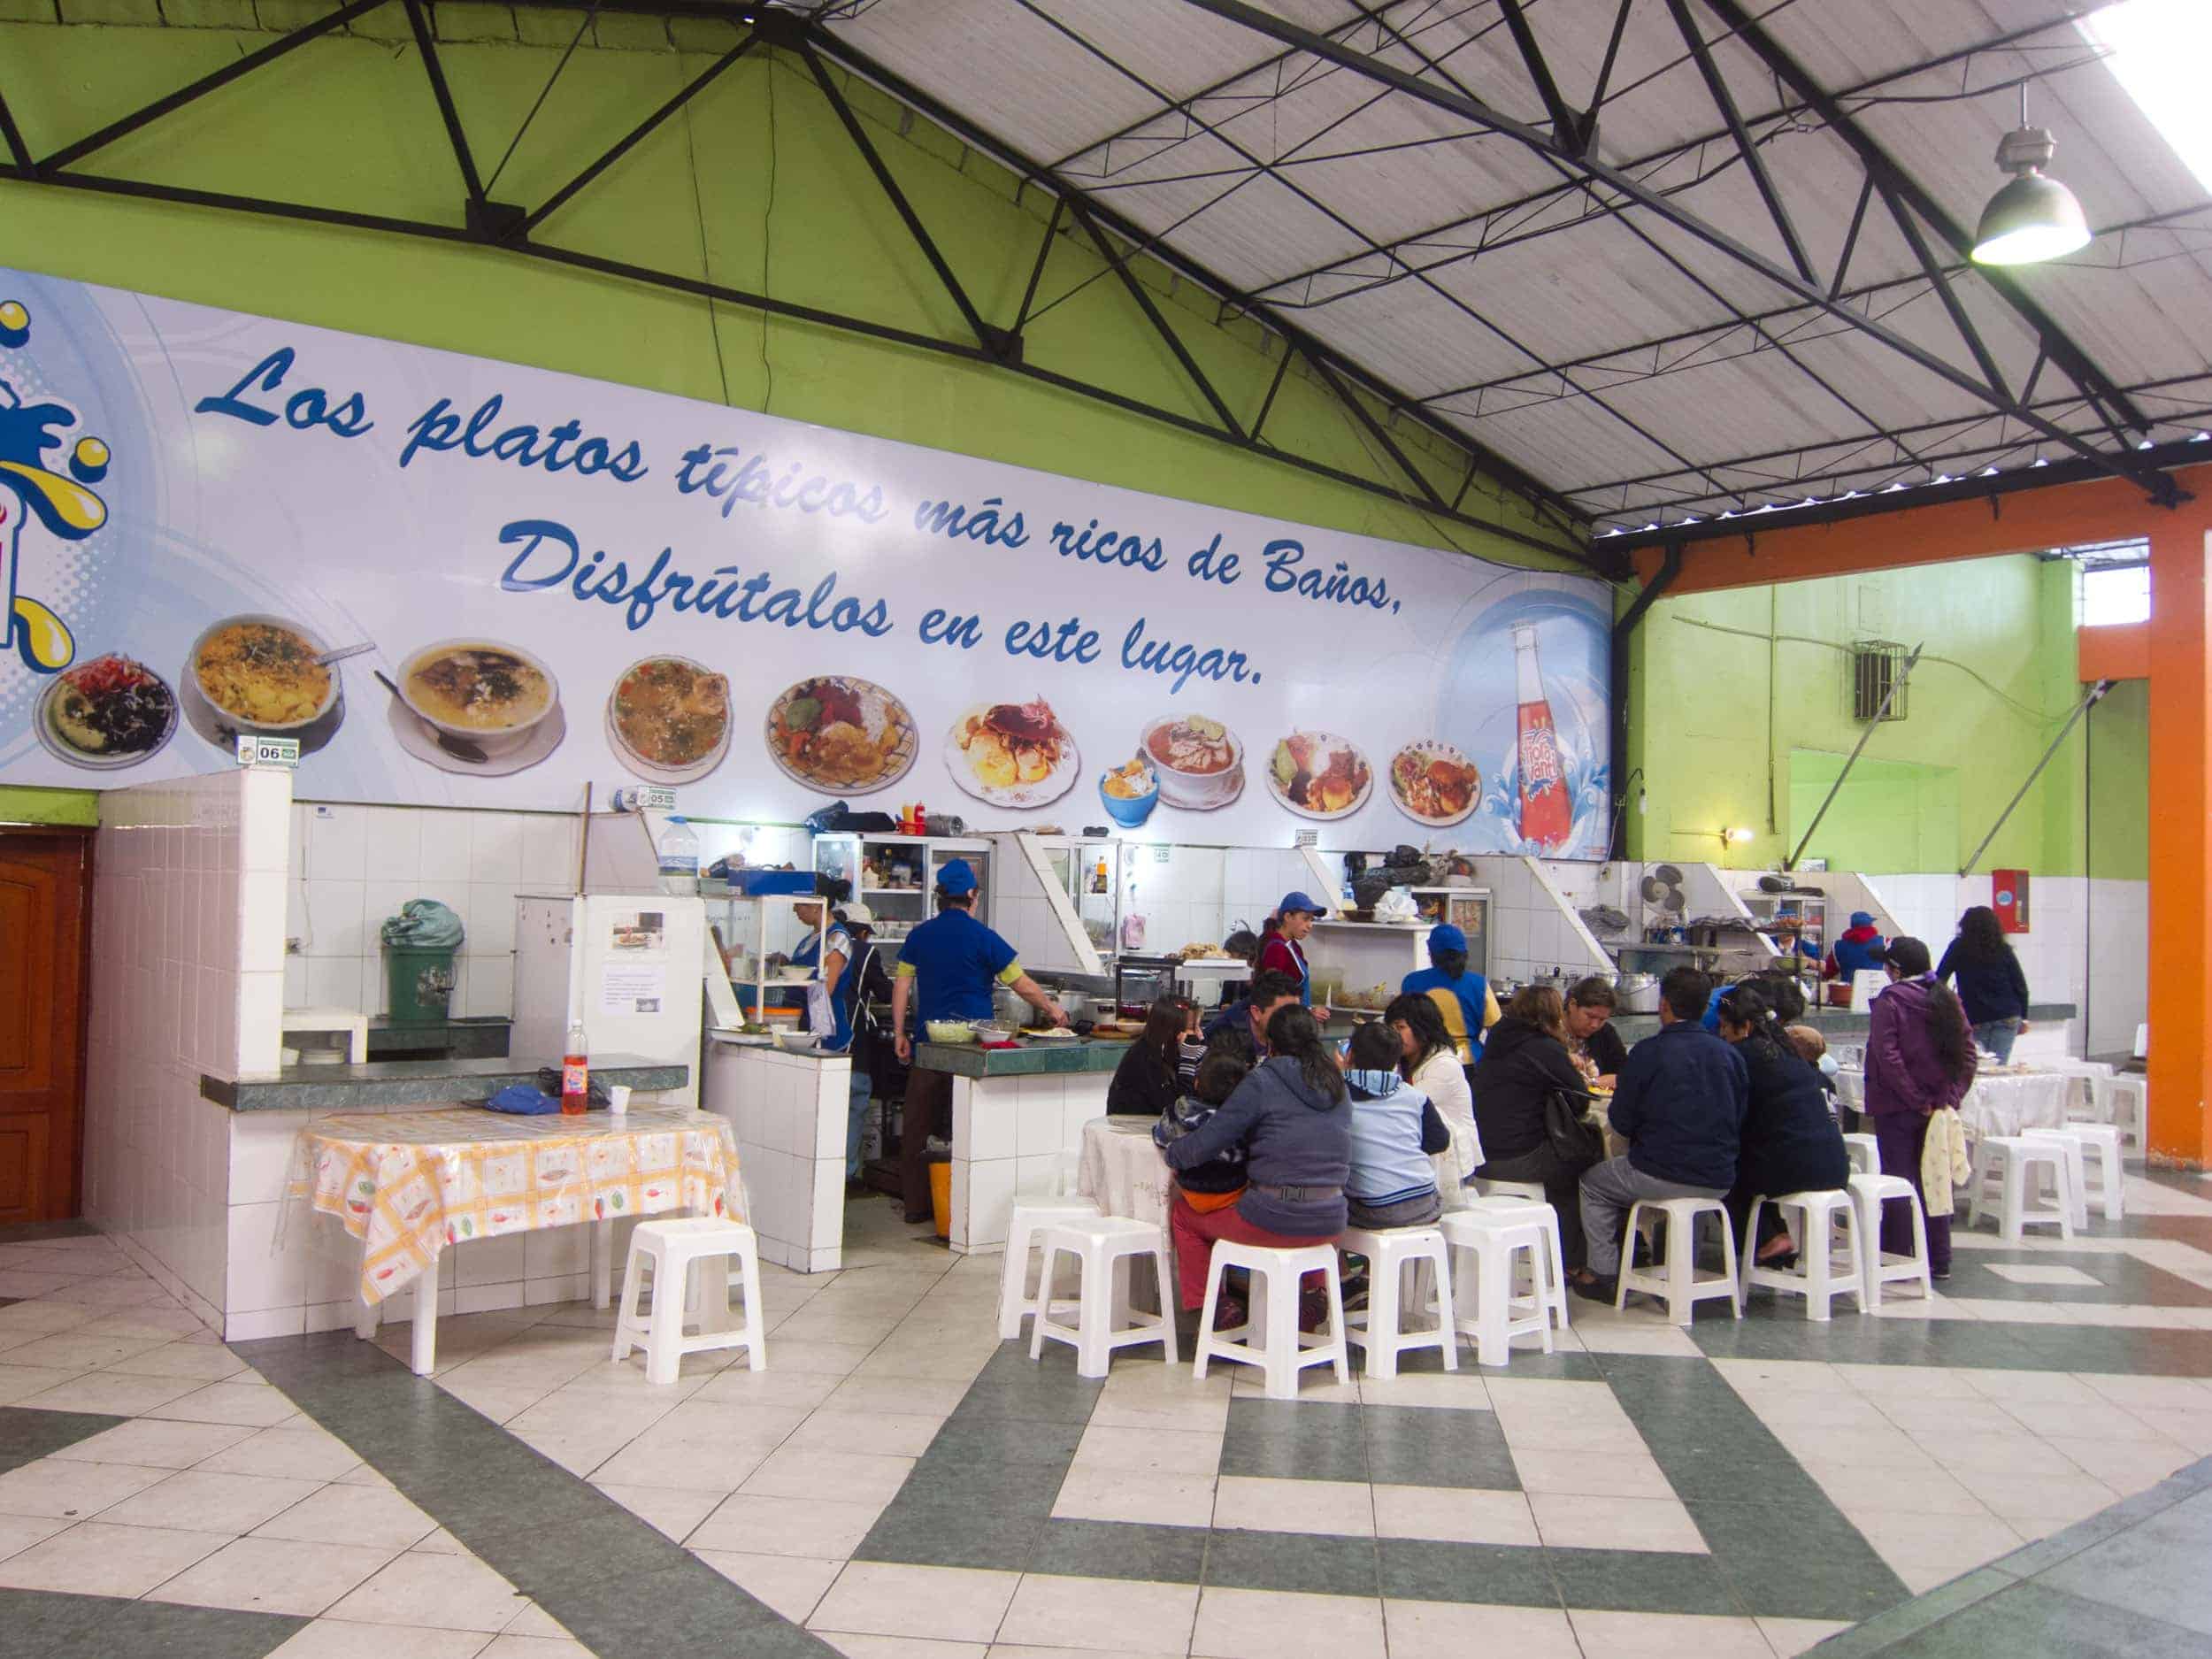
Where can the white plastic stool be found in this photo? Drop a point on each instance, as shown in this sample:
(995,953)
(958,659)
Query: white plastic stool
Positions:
(1553,1285)
(1865,1152)
(1380,1332)
(1283,1350)
(1531,1190)
(1104,1319)
(674,1248)
(2124,1101)
(1870,1192)
(2008,1160)
(2090,1146)
(1030,1218)
(1815,1276)
(1678,1283)
(1485,1307)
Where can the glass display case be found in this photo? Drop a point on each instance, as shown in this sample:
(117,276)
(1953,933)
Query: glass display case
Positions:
(894,876)
(1089,871)
(1468,908)
(757,936)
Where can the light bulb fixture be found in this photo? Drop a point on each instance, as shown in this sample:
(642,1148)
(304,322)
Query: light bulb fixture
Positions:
(1737,836)
(2034,217)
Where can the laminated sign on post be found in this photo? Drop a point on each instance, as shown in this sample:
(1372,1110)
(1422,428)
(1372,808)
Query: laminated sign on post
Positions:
(268,751)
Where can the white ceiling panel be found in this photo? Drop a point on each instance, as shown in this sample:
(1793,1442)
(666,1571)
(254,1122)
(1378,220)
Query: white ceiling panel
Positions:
(1469,268)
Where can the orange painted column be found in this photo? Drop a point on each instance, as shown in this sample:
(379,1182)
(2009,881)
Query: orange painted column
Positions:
(2181,837)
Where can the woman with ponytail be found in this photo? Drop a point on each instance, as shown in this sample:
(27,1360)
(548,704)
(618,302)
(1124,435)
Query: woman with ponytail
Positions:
(1790,1143)
(1293,1121)
(1919,1061)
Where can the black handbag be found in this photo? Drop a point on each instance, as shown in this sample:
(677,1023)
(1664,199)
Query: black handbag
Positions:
(1572,1138)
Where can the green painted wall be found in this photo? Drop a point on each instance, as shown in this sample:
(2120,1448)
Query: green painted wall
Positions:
(1742,716)
(49,806)
(754,185)
(2119,752)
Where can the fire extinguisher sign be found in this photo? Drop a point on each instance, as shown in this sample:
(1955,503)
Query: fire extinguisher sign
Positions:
(2008,897)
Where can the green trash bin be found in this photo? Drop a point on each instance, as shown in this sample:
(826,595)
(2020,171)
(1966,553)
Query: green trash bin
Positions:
(419,945)
(421,981)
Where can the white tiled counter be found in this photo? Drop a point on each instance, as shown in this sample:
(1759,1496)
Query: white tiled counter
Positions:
(790,1112)
(1010,1126)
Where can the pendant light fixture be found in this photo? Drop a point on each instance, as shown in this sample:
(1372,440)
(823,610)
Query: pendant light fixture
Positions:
(2034,216)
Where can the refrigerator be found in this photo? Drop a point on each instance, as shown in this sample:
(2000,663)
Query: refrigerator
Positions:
(629,964)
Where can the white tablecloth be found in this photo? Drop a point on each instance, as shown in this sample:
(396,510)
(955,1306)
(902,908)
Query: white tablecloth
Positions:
(2003,1103)
(1122,1172)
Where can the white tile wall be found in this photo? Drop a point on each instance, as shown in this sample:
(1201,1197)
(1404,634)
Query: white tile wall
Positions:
(187,980)
(352,866)
(2087,942)
(789,1115)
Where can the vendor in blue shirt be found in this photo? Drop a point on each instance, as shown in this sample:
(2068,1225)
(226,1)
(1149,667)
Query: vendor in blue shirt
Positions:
(947,967)
(1466,1002)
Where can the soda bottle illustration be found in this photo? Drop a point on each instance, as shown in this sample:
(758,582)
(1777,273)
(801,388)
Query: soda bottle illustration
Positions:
(1546,811)
(29,489)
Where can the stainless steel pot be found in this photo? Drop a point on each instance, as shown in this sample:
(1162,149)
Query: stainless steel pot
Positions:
(1637,993)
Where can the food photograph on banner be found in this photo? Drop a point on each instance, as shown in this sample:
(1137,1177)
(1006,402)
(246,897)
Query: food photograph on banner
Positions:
(461,582)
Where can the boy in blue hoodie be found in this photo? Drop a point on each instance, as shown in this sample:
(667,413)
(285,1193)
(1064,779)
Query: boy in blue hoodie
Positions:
(1395,1130)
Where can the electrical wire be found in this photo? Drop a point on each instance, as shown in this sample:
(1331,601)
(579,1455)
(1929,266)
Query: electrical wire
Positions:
(1927,656)
(767,225)
(706,268)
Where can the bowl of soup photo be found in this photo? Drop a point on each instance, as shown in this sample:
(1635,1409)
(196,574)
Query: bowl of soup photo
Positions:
(258,675)
(1198,760)
(492,694)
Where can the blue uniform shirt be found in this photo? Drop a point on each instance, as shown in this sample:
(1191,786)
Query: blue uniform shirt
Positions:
(954,959)
(1471,989)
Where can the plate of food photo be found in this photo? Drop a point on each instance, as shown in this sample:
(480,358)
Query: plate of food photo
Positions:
(669,719)
(259,675)
(110,712)
(1434,783)
(1012,754)
(1320,775)
(1200,761)
(843,735)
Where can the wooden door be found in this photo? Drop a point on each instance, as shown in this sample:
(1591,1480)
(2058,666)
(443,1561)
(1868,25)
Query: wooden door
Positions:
(45,902)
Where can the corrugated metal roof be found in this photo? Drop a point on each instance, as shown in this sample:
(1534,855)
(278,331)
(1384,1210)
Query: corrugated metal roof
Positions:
(1616,355)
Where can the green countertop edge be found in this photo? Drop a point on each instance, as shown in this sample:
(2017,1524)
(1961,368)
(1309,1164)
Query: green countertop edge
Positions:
(411,1083)
(962,1060)
(1835,1022)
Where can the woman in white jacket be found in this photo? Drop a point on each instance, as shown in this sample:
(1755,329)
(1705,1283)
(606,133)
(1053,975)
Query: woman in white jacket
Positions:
(1431,1067)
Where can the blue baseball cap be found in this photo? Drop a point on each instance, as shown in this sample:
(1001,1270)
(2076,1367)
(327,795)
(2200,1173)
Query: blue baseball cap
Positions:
(1445,936)
(1295,900)
(1861,918)
(956,877)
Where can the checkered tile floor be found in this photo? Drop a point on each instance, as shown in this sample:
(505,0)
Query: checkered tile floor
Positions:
(899,1483)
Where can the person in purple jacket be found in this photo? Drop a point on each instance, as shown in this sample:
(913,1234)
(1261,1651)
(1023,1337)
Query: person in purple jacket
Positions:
(1919,1061)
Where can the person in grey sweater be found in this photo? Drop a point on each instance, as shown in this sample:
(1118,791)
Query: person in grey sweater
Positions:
(1294,1120)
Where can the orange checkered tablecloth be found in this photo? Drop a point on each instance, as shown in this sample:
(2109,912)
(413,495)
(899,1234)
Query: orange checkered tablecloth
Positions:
(408,1184)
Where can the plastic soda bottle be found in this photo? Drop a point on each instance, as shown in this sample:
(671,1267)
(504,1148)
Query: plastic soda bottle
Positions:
(1547,813)
(576,1074)
(677,850)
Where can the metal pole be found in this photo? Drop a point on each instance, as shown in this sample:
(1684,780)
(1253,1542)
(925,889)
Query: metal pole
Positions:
(2096,696)
(1895,686)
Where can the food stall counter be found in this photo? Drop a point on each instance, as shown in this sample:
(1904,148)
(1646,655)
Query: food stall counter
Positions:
(1016,1112)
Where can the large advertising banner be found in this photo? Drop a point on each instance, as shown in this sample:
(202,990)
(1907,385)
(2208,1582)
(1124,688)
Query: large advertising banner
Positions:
(461,582)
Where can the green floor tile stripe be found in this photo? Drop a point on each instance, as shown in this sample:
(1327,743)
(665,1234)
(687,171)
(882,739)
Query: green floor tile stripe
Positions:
(55,1625)
(623,1589)
(1786,1551)
(27,1434)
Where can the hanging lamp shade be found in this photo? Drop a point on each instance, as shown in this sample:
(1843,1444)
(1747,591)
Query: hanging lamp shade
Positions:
(2034,217)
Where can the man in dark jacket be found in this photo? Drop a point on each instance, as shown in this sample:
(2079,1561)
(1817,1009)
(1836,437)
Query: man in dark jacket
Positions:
(1680,1105)
(1241,1026)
